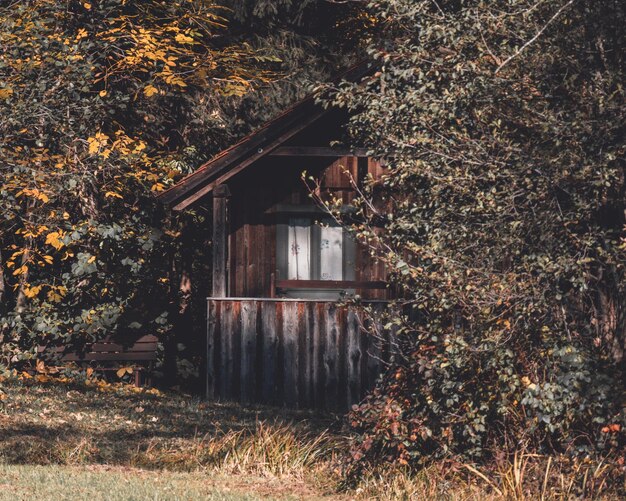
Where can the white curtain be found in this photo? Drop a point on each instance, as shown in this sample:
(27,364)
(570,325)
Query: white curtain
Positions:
(331,253)
(299,250)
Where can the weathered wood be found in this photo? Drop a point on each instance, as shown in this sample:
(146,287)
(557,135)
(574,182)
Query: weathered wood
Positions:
(309,354)
(227,332)
(331,345)
(305,344)
(318,336)
(220,241)
(317,151)
(353,352)
(212,330)
(290,343)
(261,203)
(342,360)
(248,350)
(111,344)
(268,372)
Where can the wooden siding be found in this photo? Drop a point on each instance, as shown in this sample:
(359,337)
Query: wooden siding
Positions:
(301,354)
(274,182)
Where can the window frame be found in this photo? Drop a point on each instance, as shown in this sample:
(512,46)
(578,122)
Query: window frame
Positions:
(317,217)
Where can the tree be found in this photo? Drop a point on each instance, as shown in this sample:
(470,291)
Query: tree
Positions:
(103,104)
(502,218)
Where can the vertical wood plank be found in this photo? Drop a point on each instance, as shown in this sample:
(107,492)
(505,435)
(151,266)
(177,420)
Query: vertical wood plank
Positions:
(342,360)
(290,346)
(226,341)
(269,343)
(306,311)
(353,359)
(319,340)
(213,315)
(331,371)
(298,354)
(248,350)
(280,362)
(235,352)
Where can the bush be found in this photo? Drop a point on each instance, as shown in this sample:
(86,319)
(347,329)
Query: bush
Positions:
(501,221)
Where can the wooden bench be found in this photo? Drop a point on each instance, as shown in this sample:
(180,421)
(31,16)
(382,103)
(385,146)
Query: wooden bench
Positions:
(140,355)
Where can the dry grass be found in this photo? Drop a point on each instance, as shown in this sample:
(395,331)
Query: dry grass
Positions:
(74,425)
(72,428)
(524,478)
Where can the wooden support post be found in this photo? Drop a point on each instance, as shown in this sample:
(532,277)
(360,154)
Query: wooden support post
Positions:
(220,241)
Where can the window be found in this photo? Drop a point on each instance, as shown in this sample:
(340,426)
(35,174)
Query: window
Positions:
(314,249)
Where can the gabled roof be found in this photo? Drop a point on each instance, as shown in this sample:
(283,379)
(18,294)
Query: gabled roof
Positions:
(251,148)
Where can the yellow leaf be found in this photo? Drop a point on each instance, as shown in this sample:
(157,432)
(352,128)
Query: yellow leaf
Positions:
(87,5)
(48,259)
(124,370)
(5,93)
(96,142)
(89,372)
(53,239)
(102,93)
(31,292)
(112,194)
(150,90)
(21,270)
(180,38)
(91,259)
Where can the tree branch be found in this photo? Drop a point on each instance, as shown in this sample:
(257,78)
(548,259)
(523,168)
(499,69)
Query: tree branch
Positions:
(537,35)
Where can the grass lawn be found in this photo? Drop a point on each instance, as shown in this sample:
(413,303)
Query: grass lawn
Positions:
(91,440)
(98,441)
(105,483)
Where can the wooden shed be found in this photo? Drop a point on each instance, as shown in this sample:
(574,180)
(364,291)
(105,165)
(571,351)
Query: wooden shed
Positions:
(278,331)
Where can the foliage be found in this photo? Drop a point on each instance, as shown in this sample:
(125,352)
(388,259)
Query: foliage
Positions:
(98,101)
(502,220)
(312,38)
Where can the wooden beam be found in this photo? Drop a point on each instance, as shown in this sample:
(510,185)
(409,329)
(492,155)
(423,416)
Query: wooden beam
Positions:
(260,152)
(318,151)
(220,241)
(330,284)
